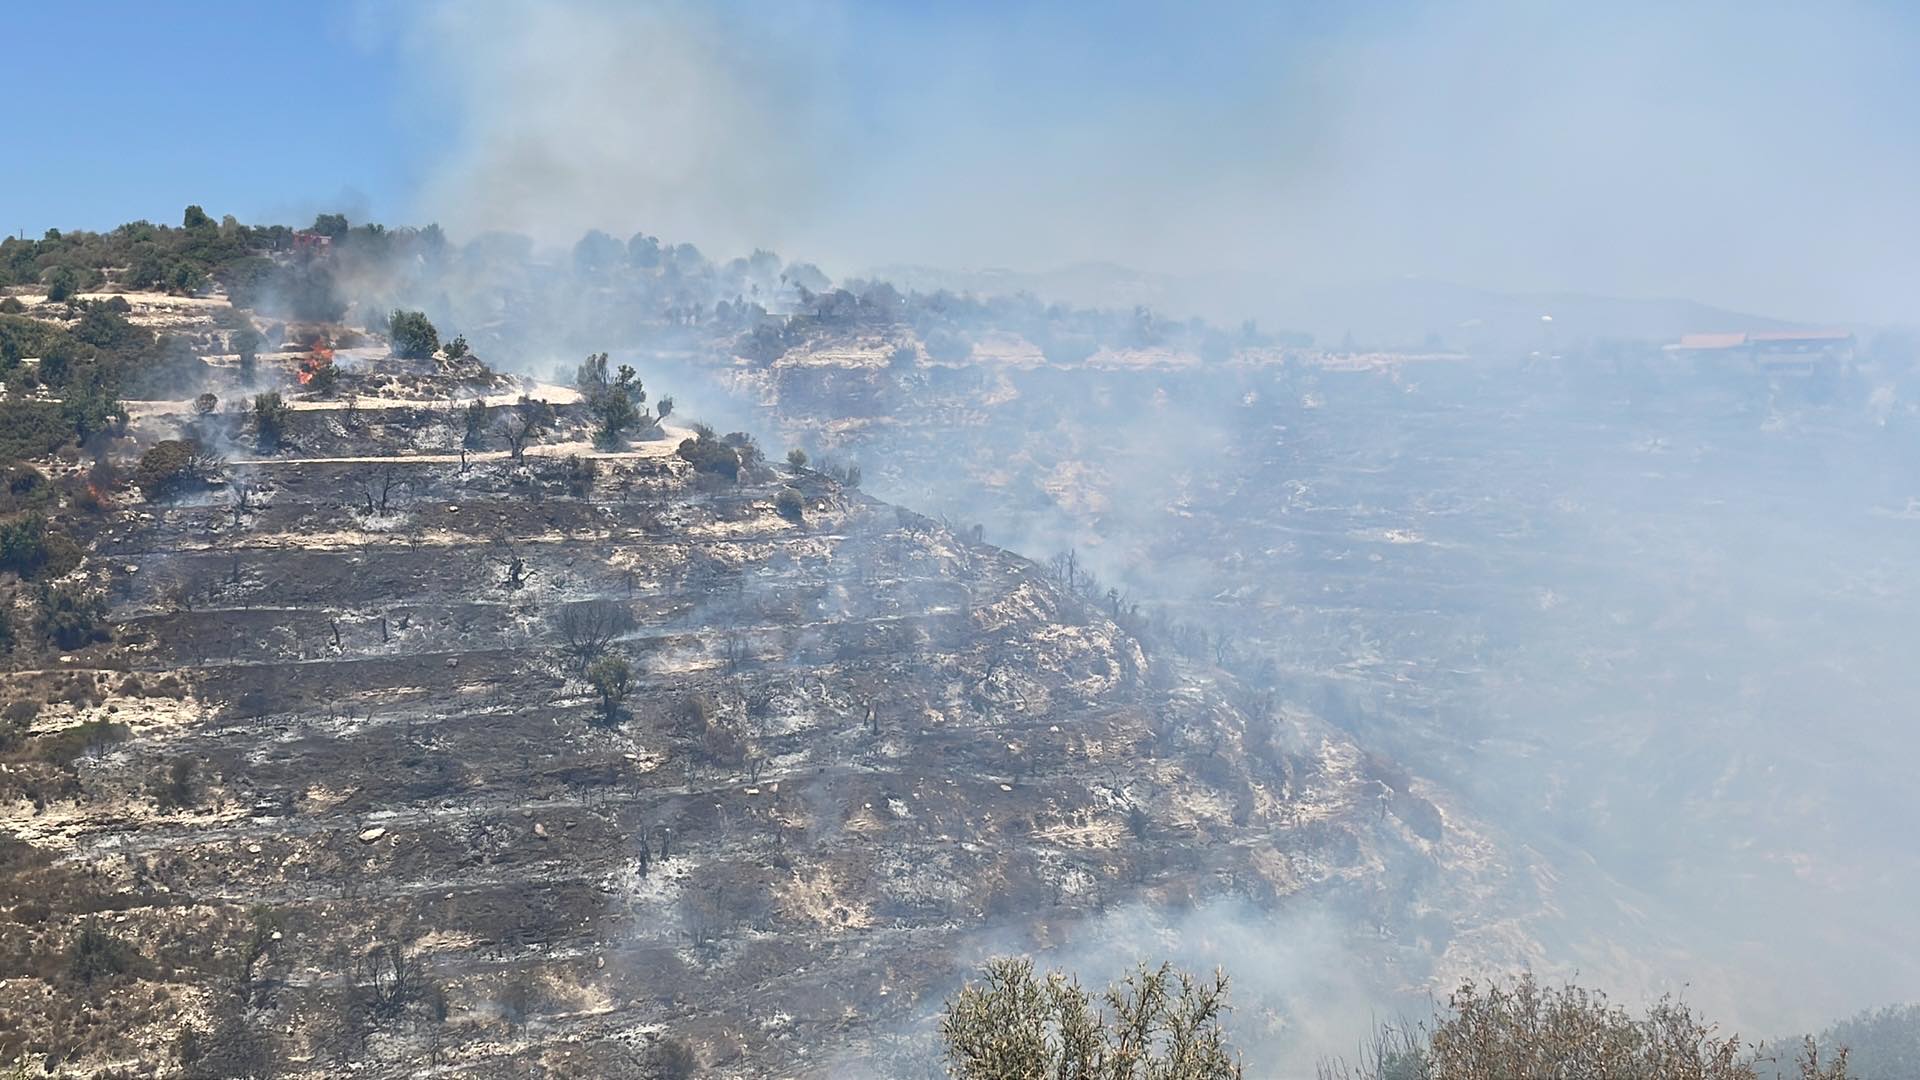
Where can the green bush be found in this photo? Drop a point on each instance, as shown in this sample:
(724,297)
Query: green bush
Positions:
(61,282)
(789,504)
(414,338)
(171,467)
(70,617)
(97,954)
(29,548)
(69,744)
(612,678)
(1524,1030)
(270,416)
(30,429)
(23,487)
(710,455)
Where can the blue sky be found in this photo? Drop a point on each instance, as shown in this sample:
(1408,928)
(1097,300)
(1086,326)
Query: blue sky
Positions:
(129,110)
(1755,155)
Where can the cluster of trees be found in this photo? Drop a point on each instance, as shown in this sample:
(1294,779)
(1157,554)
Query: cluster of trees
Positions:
(947,325)
(183,259)
(1168,1025)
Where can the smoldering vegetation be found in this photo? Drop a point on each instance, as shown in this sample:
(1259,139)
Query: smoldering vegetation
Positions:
(1645,610)
(1553,658)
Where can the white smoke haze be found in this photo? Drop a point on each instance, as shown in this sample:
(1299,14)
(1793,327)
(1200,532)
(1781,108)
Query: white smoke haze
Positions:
(1737,154)
(1700,711)
(672,118)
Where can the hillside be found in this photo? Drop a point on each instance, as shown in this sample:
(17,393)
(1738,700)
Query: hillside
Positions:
(335,790)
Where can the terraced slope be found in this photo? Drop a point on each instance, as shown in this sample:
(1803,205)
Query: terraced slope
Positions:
(365,809)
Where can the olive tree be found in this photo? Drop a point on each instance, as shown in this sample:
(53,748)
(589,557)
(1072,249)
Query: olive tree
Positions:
(612,678)
(1156,1023)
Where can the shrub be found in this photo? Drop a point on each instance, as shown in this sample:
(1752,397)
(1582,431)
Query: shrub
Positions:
(456,348)
(171,467)
(577,474)
(789,504)
(62,282)
(673,1060)
(29,548)
(175,790)
(70,617)
(612,678)
(67,745)
(796,459)
(476,421)
(1530,1030)
(31,429)
(246,343)
(587,629)
(23,487)
(12,306)
(710,455)
(747,449)
(97,954)
(1156,1023)
(270,415)
(414,338)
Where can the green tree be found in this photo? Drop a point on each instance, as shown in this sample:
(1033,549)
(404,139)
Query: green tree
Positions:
(1157,1023)
(246,342)
(172,466)
(270,415)
(797,459)
(61,282)
(89,405)
(25,546)
(614,400)
(612,678)
(414,338)
(195,218)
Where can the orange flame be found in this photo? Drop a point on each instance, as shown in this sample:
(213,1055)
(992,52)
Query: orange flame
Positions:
(100,498)
(322,357)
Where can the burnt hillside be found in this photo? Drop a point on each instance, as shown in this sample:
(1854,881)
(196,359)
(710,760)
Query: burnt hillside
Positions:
(339,786)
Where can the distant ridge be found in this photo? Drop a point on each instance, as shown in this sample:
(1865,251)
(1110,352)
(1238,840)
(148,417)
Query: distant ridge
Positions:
(1404,313)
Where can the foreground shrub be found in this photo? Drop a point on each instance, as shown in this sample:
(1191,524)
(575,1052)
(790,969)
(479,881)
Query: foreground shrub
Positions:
(1527,1030)
(1156,1023)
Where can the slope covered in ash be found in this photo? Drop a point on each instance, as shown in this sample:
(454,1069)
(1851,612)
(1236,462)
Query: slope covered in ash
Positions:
(1650,613)
(338,788)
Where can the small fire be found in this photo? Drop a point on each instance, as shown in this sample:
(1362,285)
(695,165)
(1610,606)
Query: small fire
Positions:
(321,357)
(99,496)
